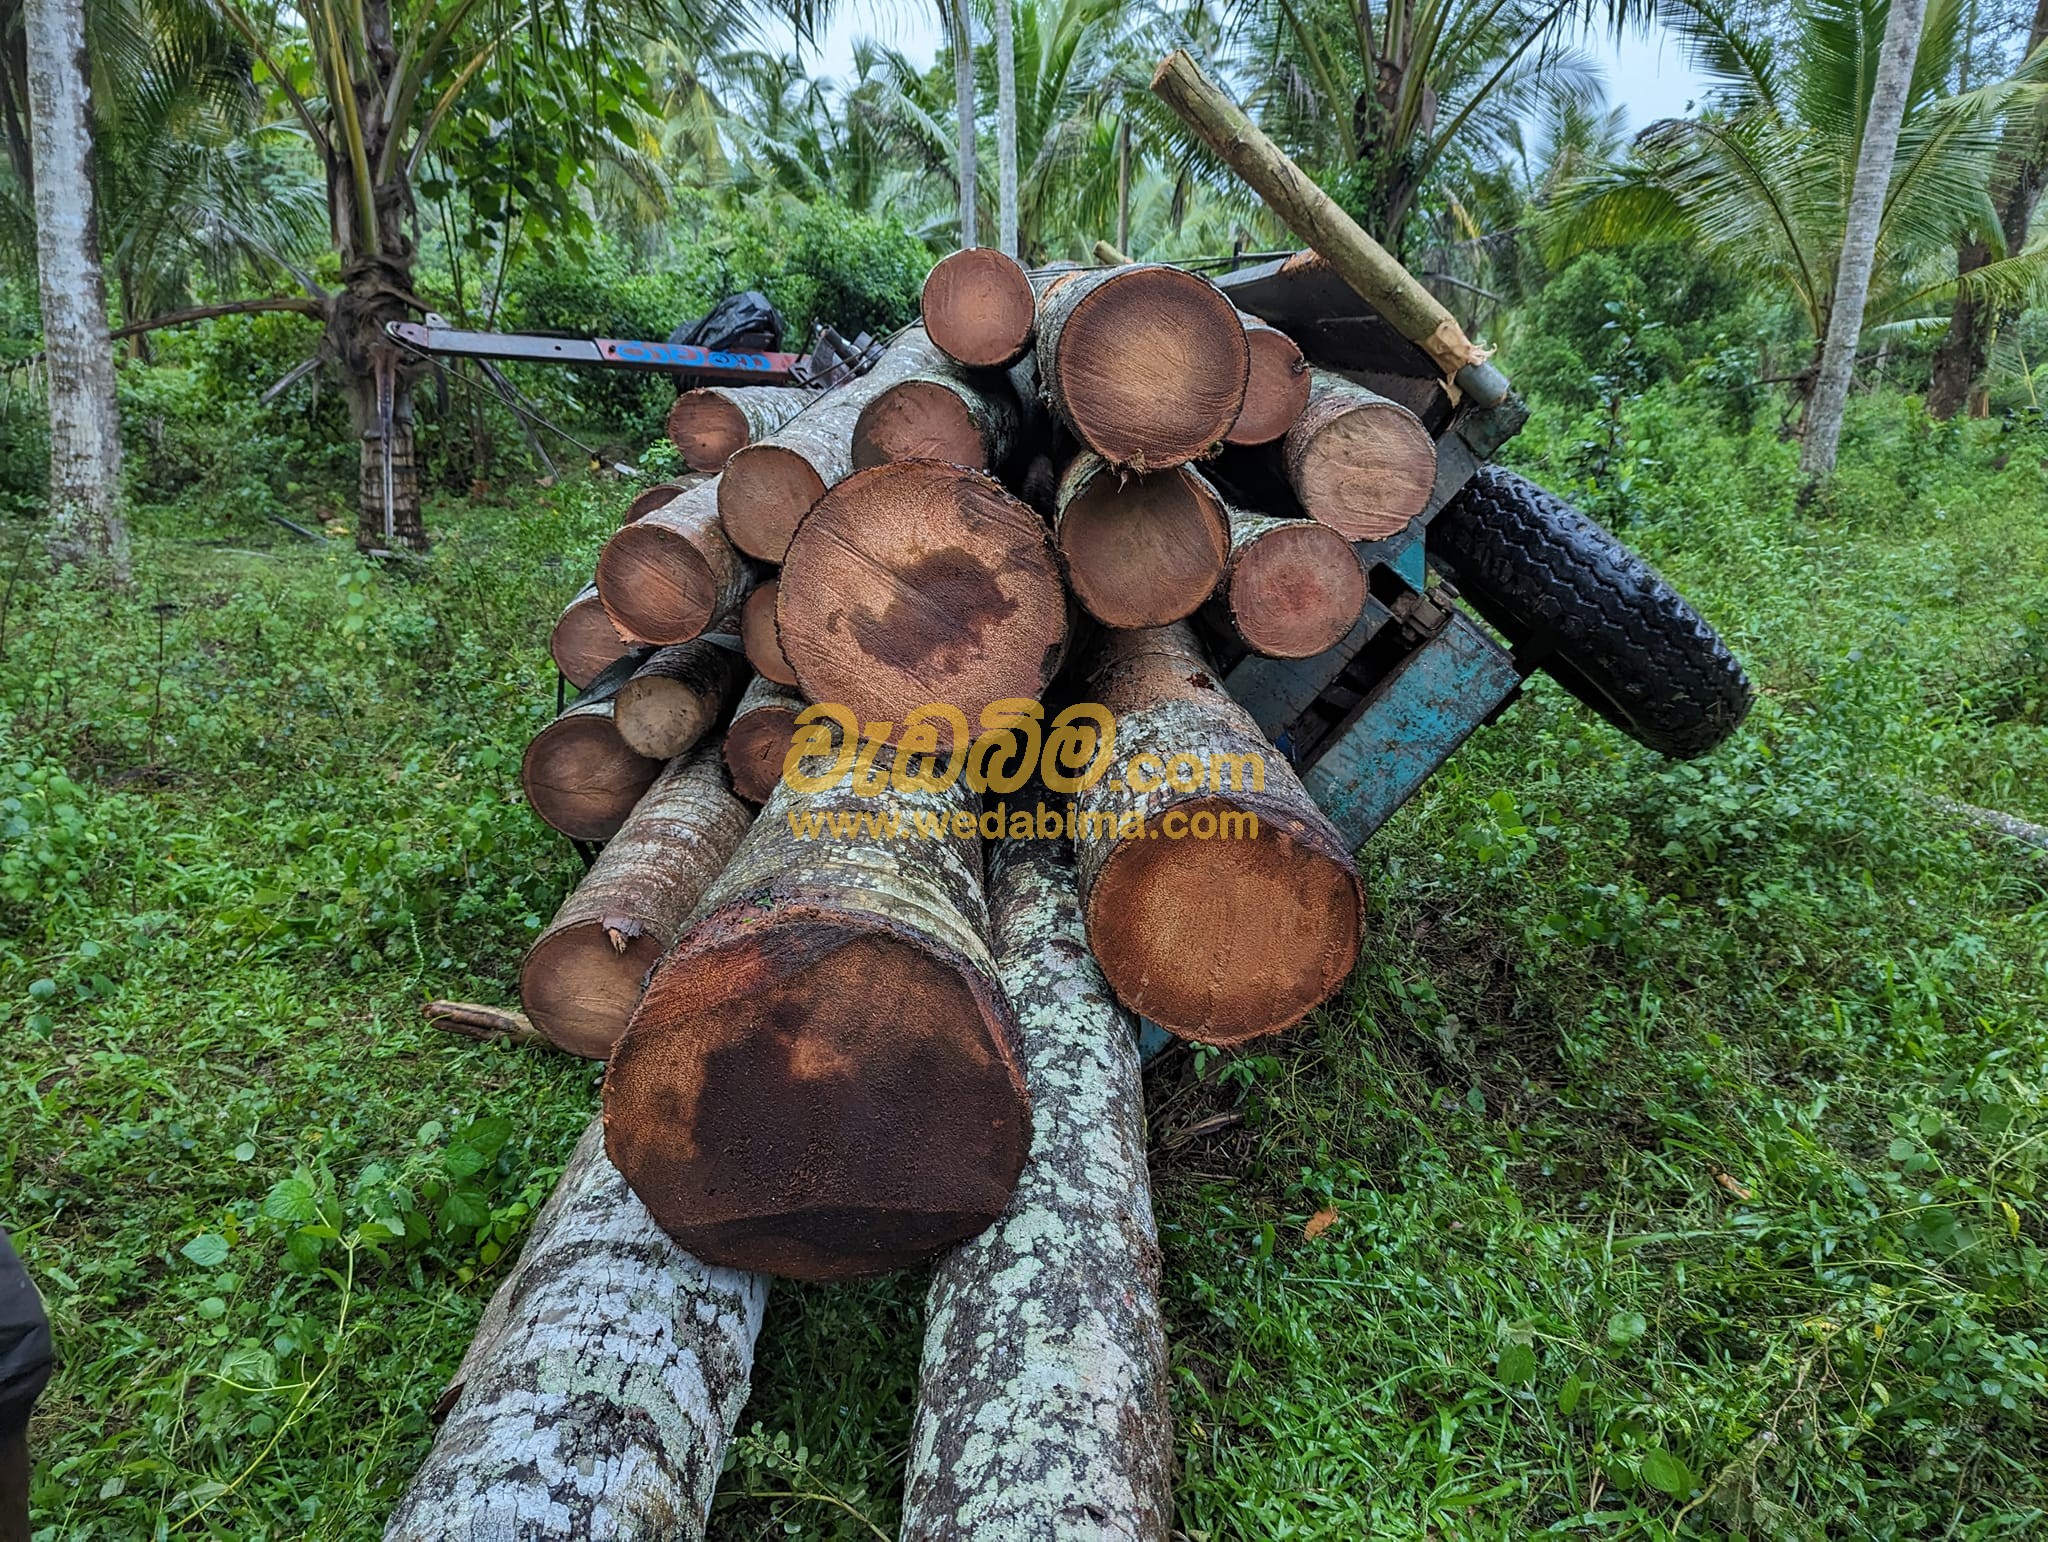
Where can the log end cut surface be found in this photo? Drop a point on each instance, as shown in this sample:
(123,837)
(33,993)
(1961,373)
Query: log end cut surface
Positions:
(1146,553)
(581,777)
(766,491)
(918,420)
(756,745)
(706,429)
(584,641)
(1296,591)
(579,985)
(1276,391)
(657,586)
(1222,940)
(815,1098)
(646,501)
(1367,470)
(978,308)
(757,635)
(1152,367)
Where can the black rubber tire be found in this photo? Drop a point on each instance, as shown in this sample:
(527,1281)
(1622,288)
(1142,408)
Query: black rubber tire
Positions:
(1591,613)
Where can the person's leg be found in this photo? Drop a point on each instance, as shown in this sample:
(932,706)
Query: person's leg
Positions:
(25,1361)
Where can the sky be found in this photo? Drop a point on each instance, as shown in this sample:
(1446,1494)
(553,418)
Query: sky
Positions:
(1649,76)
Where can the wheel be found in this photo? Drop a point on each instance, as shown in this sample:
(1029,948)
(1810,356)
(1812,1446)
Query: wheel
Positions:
(1591,613)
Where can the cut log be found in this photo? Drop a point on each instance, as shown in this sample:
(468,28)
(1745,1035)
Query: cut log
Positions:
(758,738)
(770,485)
(708,425)
(1295,586)
(757,635)
(583,975)
(666,577)
(978,308)
(579,775)
(1278,387)
(821,1080)
(1143,550)
(1217,929)
(1358,462)
(1042,1394)
(1146,364)
(647,500)
(584,640)
(941,415)
(602,1386)
(918,583)
(675,696)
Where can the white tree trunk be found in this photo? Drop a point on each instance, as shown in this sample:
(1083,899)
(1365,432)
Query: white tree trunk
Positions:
(1006,133)
(1859,236)
(961,25)
(85,423)
(601,1388)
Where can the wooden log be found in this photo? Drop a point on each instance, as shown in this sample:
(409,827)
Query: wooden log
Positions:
(758,738)
(581,978)
(1146,364)
(821,1080)
(666,577)
(1215,929)
(1143,550)
(1358,462)
(1042,1393)
(757,634)
(1109,256)
(917,583)
(675,697)
(1277,390)
(940,415)
(711,423)
(584,640)
(476,1020)
(602,1386)
(978,308)
(579,775)
(648,499)
(770,485)
(1294,588)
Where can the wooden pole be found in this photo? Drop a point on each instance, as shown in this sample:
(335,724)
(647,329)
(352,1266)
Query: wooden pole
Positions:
(584,640)
(1363,465)
(941,415)
(581,978)
(1042,1394)
(708,425)
(675,696)
(1142,551)
(978,308)
(668,575)
(757,740)
(1294,587)
(579,775)
(602,1386)
(757,634)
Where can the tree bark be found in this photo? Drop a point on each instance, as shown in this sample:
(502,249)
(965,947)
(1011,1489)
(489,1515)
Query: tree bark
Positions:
(1363,465)
(1215,938)
(86,524)
(757,634)
(1146,364)
(1042,1395)
(1294,588)
(1139,552)
(941,415)
(1006,133)
(580,777)
(675,697)
(919,583)
(769,486)
(757,740)
(584,640)
(1823,426)
(709,424)
(668,575)
(978,308)
(821,1081)
(582,977)
(1276,392)
(960,27)
(603,1384)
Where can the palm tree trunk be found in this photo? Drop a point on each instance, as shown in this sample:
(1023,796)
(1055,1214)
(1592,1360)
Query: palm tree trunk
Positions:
(1123,183)
(1006,132)
(85,422)
(962,31)
(1859,237)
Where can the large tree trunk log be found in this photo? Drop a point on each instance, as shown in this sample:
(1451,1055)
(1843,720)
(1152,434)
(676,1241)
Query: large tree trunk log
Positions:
(1358,462)
(758,738)
(917,583)
(712,423)
(648,499)
(667,576)
(579,775)
(1142,551)
(1042,1398)
(940,415)
(770,485)
(821,1080)
(1216,929)
(1276,393)
(584,640)
(978,308)
(1147,365)
(1295,586)
(582,977)
(757,634)
(674,698)
(603,1384)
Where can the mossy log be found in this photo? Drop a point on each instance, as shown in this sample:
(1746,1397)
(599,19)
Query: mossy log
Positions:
(584,640)
(943,415)
(711,424)
(757,634)
(602,1386)
(1141,550)
(1358,462)
(1215,928)
(666,577)
(758,738)
(1042,1394)
(1295,586)
(579,775)
(675,697)
(978,308)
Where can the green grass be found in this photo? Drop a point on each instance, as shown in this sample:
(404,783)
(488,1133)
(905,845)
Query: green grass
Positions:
(1683,1124)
